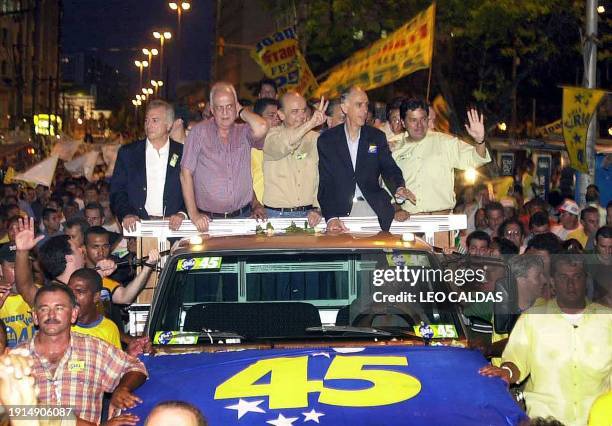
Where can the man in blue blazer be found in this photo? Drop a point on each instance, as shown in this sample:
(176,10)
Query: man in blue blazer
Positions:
(352,159)
(146,180)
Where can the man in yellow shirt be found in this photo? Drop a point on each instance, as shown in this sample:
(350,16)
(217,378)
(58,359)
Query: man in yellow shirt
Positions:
(563,348)
(267,108)
(428,158)
(86,285)
(290,167)
(14,311)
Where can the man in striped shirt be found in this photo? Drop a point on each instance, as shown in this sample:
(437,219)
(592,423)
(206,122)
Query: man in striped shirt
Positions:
(74,370)
(216,166)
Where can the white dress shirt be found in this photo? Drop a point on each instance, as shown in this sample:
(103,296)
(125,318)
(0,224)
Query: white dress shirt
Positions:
(157,164)
(353,146)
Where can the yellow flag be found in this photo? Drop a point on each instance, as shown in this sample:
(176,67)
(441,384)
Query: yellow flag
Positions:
(578,107)
(280,59)
(407,50)
(8,177)
(442,111)
(550,129)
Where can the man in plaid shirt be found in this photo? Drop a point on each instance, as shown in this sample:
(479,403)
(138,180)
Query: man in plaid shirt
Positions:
(74,370)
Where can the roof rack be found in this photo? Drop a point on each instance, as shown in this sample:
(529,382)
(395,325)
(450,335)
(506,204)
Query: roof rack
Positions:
(425,224)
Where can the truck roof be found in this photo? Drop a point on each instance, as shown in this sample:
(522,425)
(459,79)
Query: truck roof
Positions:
(299,241)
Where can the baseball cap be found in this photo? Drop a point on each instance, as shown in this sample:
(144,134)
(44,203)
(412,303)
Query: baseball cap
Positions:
(571,207)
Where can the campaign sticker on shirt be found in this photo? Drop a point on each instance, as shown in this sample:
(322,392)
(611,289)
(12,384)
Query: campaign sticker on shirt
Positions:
(173,160)
(440,331)
(175,338)
(199,263)
(372,149)
(75,366)
(301,155)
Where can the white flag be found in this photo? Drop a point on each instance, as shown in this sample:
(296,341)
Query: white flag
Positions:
(65,148)
(83,165)
(41,174)
(109,153)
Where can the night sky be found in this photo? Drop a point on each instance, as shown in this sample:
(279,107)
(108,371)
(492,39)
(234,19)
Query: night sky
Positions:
(128,26)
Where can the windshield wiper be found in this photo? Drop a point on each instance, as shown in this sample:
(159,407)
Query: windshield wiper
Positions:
(348,330)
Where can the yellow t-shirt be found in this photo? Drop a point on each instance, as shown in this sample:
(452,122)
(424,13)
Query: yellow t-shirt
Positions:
(567,362)
(257,173)
(601,411)
(18,319)
(103,329)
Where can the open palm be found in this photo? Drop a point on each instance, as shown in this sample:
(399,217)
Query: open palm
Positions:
(25,238)
(475,128)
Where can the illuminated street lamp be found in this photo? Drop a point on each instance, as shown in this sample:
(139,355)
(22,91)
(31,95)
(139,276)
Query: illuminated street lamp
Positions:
(162,37)
(179,8)
(150,53)
(141,65)
(157,84)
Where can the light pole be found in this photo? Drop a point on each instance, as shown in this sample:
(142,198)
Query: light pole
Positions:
(150,53)
(157,84)
(141,65)
(180,8)
(162,37)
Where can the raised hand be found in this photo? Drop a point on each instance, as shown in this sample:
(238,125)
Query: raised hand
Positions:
(25,238)
(476,125)
(318,115)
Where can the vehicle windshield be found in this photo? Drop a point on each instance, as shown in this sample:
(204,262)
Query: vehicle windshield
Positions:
(300,295)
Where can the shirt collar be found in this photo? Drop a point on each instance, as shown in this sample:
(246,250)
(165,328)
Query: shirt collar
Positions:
(348,138)
(164,149)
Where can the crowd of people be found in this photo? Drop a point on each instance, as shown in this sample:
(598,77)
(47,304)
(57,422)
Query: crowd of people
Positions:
(65,281)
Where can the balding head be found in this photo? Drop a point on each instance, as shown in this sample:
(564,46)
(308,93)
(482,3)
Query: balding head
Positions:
(224,104)
(293,112)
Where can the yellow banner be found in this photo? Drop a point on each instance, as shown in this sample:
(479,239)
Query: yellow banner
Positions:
(578,107)
(407,50)
(8,177)
(554,128)
(280,58)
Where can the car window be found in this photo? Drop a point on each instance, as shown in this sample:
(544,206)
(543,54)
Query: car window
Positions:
(296,294)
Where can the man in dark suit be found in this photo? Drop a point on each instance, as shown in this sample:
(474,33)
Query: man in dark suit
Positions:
(146,180)
(352,158)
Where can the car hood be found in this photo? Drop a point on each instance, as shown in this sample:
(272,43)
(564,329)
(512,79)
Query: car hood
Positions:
(343,386)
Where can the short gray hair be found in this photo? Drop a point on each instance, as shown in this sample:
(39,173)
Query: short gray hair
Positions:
(221,85)
(158,103)
(521,265)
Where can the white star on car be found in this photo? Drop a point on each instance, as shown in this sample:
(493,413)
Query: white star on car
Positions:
(282,421)
(312,415)
(325,354)
(244,407)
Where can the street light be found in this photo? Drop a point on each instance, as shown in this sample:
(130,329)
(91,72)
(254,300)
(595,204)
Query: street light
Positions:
(162,37)
(150,53)
(141,65)
(179,9)
(157,84)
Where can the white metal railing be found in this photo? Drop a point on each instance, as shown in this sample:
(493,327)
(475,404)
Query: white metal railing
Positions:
(426,224)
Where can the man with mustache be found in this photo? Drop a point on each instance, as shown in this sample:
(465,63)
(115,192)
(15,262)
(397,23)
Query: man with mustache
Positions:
(562,349)
(71,369)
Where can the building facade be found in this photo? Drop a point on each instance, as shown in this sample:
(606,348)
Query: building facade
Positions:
(29,61)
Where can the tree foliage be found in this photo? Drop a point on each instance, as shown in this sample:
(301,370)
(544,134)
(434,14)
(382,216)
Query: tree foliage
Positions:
(486,51)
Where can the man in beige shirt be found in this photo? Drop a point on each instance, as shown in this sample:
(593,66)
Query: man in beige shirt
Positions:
(290,163)
(428,159)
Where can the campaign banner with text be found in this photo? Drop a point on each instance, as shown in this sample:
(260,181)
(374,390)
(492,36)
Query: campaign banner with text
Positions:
(579,105)
(405,51)
(280,58)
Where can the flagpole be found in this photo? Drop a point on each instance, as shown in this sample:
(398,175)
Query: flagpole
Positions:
(590,77)
(433,36)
